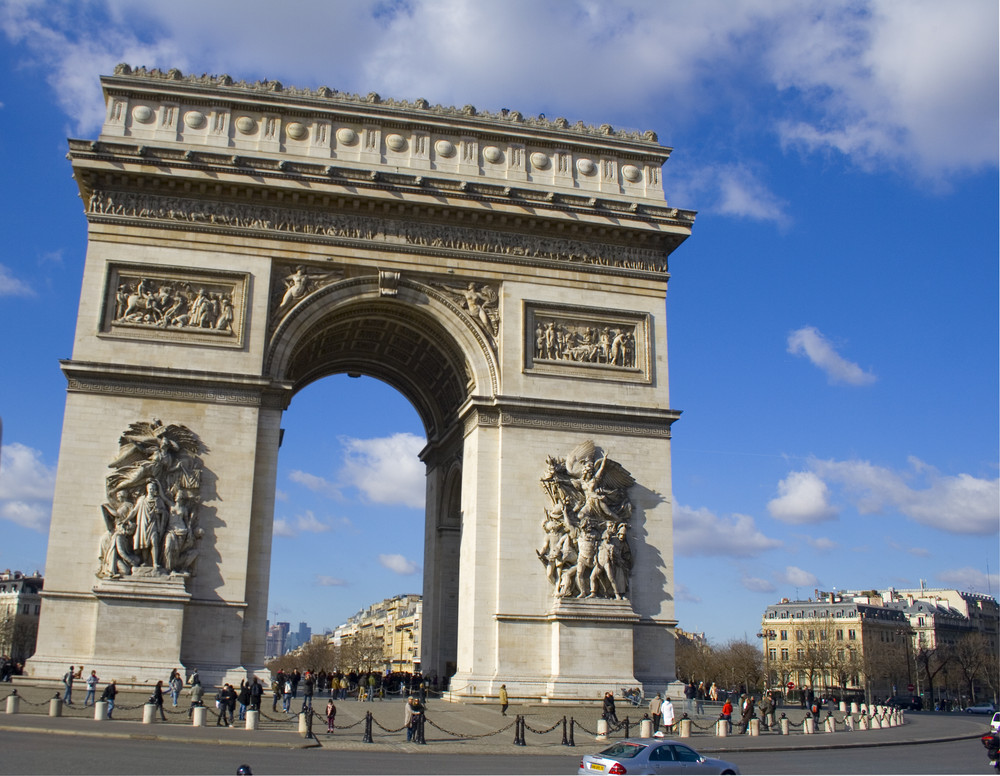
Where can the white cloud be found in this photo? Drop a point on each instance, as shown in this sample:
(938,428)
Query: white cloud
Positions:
(960,504)
(700,532)
(325,581)
(821,543)
(26,487)
(11,286)
(920,552)
(799,578)
(386,470)
(307,522)
(316,484)
(971,579)
(727,189)
(809,342)
(684,593)
(398,564)
(803,498)
(757,585)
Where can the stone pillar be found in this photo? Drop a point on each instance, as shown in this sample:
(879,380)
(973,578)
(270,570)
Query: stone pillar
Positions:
(808,725)
(55,707)
(854,707)
(101,711)
(198,716)
(831,724)
(863,722)
(722,728)
(13,703)
(646,728)
(842,706)
(303,725)
(784,726)
(602,730)
(849,723)
(685,728)
(876,722)
(253,719)
(148,714)
(754,727)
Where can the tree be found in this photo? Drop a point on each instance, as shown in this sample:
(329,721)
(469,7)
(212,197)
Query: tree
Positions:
(18,636)
(363,652)
(744,664)
(970,656)
(932,660)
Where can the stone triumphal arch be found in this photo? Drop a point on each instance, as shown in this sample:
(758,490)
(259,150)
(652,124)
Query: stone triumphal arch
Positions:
(507,274)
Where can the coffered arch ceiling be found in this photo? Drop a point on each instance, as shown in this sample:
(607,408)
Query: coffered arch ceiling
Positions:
(397,344)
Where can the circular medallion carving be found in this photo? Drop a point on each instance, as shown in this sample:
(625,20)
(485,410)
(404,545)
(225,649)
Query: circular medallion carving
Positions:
(586,166)
(395,142)
(296,131)
(632,173)
(539,161)
(445,148)
(194,119)
(347,136)
(246,125)
(142,113)
(493,155)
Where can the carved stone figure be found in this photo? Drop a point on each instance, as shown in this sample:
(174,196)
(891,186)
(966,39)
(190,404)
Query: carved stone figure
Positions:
(585,342)
(153,493)
(297,285)
(586,552)
(481,302)
(173,304)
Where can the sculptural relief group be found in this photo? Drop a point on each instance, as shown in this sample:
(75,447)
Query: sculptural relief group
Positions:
(585,342)
(586,552)
(153,496)
(171,304)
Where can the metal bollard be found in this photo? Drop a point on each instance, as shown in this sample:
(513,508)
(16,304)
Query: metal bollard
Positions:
(783,724)
(101,711)
(55,706)
(572,726)
(253,719)
(148,714)
(198,716)
(367,737)
(722,728)
(602,730)
(646,728)
(13,703)
(685,728)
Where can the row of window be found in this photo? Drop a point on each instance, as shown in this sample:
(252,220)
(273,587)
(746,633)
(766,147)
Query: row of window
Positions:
(838,634)
(800,654)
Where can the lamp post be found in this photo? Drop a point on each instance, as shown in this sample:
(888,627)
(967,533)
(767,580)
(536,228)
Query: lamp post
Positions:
(767,634)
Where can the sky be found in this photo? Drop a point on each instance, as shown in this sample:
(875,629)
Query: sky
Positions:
(833,320)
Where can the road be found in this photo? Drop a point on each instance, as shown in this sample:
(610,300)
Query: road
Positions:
(33,753)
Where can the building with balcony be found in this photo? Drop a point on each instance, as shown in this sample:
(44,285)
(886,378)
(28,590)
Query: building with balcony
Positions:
(395,624)
(20,607)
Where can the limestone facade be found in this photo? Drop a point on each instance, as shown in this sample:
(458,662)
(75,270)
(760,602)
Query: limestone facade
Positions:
(248,239)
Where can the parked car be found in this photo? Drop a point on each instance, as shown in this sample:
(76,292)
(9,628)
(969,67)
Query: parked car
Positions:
(652,755)
(995,722)
(981,708)
(911,702)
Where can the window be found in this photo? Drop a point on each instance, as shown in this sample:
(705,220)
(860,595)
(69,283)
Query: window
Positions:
(784,654)
(784,635)
(822,635)
(840,654)
(798,635)
(685,755)
(840,635)
(38,608)
(772,654)
(662,754)
(800,654)
(27,609)
(851,634)
(812,635)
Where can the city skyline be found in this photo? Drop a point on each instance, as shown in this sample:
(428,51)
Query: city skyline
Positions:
(832,321)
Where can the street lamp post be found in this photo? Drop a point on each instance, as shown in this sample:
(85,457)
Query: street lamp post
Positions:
(767,635)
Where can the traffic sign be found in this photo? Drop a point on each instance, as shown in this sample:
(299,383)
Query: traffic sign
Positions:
(791,685)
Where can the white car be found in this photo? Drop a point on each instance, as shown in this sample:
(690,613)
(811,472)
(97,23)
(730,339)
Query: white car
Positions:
(995,722)
(652,755)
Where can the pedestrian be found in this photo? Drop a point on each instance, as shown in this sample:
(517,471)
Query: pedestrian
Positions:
(331,715)
(277,688)
(416,717)
(176,684)
(668,715)
(608,709)
(67,680)
(110,691)
(256,692)
(244,699)
(286,695)
(222,707)
(727,714)
(747,715)
(157,699)
(92,681)
(689,693)
(503,700)
(654,711)
(231,698)
(408,717)
(765,707)
(197,693)
(713,693)
(699,699)
(308,686)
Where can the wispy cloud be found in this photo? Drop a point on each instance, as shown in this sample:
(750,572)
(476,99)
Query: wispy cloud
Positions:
(809,342)
(307,522)
(971,579)
(700,532)
(398,564)
(325,581)
(684,593)
(756,584)
(26,487)
(386,470)
(316,484)
(803,498)
(12,286)
(799,577)
(920,552)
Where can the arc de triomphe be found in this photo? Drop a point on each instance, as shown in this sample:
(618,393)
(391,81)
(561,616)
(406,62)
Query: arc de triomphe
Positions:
(506,274)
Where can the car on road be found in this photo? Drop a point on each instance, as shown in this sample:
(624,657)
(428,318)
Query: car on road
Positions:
(652,755)
(911,702)
(981,708)
(995,722)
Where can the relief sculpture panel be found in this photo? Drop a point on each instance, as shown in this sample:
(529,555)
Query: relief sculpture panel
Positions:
(161,303)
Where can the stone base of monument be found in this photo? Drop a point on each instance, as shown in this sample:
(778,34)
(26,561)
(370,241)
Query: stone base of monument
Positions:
(145,613)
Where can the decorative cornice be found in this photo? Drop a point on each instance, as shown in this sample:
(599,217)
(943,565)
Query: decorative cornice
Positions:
(179,384)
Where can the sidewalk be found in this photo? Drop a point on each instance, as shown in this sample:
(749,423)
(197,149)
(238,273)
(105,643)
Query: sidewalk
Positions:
(466,727)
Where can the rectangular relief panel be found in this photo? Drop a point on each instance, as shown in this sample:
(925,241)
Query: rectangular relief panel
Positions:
(567,340)
(175,304)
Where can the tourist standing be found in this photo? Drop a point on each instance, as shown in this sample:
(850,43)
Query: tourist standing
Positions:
(668,715)
(110,691)
(503,700)
(92,681)
(176,684)
(331,715)
(67,680)
(654,711)
(157,699)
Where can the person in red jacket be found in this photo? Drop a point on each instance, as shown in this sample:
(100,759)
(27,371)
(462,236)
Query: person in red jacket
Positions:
(727,714)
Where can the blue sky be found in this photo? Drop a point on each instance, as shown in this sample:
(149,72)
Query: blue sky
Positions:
(833,321)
